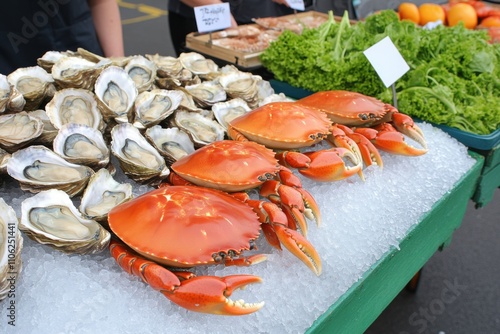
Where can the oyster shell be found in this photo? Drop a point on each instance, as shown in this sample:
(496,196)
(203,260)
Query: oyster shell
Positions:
(49,131)
(199,65)
(171,143)
(4,158)
(81,144)
(154,106)
(76,72)
(93,57)
(243,85)
(202,130)
(49,58)
(73,105)
(37,168)
(34,83)
(142,71)
(116,93)
(166,66)
(10,98)
(10,258)
(51,218)
(138,158)
(225,112)
(18,130)
(102,194)
(207,93)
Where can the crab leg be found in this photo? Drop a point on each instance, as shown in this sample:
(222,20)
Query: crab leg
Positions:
(205,294)
(278,233)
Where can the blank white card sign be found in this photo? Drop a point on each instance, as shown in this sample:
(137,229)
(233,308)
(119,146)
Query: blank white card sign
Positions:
(387,61)
(296,4)
(212,17)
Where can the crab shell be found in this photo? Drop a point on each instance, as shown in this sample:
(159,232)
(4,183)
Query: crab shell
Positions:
(282,125)
(185,226)
(250,164)
(350,108)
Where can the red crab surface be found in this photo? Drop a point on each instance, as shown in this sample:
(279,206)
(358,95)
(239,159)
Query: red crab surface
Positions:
(186,226)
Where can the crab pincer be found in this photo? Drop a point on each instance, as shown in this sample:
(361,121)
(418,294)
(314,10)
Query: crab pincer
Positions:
(205,294)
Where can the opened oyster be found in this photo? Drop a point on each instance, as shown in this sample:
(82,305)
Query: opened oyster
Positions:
(199,65)
(166,66)
(154,106)
(11,244)
(142,71)
(18,130)
(81,144)
(49,58)
(241,85)
(138,158)
(10,98)
(202,130)
(225,112)
(73,105)
(51,218)
(49,131)
(34,83)
(37,168)
(116,93)
(172,143)
(207,93)
(76,72)
(102,194)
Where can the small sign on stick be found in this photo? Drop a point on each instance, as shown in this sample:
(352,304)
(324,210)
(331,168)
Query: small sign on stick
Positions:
(212,17)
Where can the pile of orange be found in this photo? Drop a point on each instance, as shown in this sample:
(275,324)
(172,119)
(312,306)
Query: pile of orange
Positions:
(450,14)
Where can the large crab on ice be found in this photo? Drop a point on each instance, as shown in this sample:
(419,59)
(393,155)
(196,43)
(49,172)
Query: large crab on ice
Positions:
(367,121)
(287,127)
(187,226)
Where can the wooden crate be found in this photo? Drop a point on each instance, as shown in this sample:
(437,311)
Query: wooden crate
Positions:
(201,43)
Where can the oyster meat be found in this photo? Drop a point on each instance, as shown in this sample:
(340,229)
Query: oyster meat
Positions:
(51,218)
(81,144)
(172,143)
(202,130)
(207,93)
(102,194)
(138,158)
(142,71)
(116,93)
(38,168)
(34,83)
(154,106)
(18,130)
(199,65)
(225,112)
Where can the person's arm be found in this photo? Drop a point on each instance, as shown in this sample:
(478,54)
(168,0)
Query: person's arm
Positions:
(106,15)
(196,3)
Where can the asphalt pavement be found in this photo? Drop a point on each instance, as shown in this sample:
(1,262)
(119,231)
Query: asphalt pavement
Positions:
(459,289)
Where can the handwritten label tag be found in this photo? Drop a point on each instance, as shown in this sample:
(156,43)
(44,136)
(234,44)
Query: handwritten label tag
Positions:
(387,61)
(296,4)
(212,17)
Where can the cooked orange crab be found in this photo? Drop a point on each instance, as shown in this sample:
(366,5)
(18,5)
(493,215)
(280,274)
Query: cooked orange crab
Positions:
(234,166)
(381,123)
(287,126)
(186,226)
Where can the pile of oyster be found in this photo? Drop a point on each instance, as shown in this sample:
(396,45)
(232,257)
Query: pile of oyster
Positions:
(68,124)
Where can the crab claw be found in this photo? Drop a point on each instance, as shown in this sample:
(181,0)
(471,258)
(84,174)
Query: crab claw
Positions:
(386,138)
(299,246)
(367,151)
(206,294)
(325,165)
(405,124)
(210,294)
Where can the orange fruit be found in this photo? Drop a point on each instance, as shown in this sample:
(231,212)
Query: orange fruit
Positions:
(490,21)
(409,11)
(462,12)
(431,12)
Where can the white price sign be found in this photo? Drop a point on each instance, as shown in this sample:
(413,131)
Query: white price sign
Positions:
(296,4)
(212,17)
(387,61)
